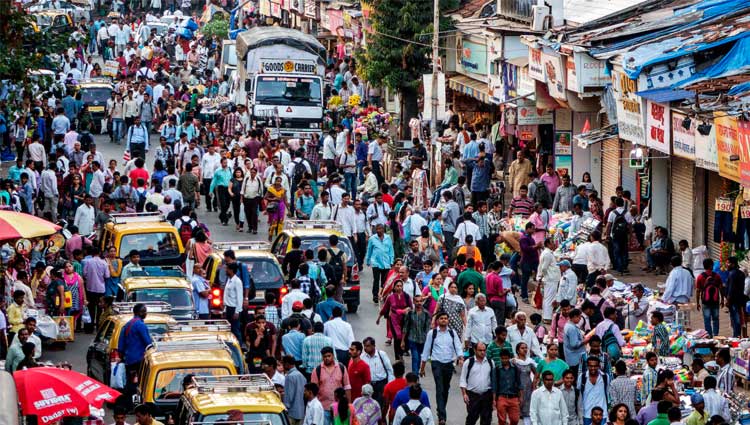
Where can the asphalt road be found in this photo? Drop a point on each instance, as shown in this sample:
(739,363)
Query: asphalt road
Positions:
(363,322)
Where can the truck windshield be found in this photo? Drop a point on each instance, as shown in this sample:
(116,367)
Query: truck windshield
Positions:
(301,91)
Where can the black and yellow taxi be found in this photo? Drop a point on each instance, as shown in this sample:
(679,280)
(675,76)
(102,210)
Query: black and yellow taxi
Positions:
(155,239)
(94,93)
(315,235)
(242,399)
(162,284)
(102,351)
(53,20)
(205,330)
(167,363)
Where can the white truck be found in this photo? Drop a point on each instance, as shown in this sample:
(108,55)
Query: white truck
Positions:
(280,80)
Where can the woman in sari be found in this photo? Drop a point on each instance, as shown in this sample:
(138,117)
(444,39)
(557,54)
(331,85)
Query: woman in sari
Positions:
(394,231)
(552,363)
(390,279)
(201,247)
(367,408)
(420,186)
(112,283)
(529,377)
(74,284)
(395,308)
(433,292)
(452,303)
(40,279)
(275,207)
(540,218)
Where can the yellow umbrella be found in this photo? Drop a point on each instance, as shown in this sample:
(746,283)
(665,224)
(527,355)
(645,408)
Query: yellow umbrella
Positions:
(15,225)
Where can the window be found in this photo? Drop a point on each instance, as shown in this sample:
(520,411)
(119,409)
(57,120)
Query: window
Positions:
(301,91)
(157,328)
(95,94)
(176,297)
(248,418)
(169,382)
(150,245)
(315,243)
(264,271)
(105,332)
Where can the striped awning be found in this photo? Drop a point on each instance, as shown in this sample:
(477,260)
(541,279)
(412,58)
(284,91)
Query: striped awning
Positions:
(470,87)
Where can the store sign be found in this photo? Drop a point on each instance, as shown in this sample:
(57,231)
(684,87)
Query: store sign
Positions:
(571,74)
(657,126)
(667,74)
(564,165)
(630,123)
(563,144)
(528,114)
(471,57)
(526,84)
(743,135)
(526,133)
(536,69)
(589,73)
(311,9)
(554,71)
(706,151)
(496,89)
(683,139)
(264,7)
(728,146)
(276,10)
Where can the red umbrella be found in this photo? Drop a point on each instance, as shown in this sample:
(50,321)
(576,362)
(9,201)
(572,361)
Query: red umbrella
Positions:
(51,393)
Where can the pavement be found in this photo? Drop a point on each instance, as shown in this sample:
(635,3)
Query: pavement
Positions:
(363,322)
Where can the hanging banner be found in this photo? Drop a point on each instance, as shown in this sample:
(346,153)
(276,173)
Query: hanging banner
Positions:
(264,7)
(743,130)
(657,126)
(427,111)
(630,122)
(683,139)
(276,10)
(564,165)
(554,72)
(728,146)
(563,119)
(706,152)
(536,69)
(311,9)
(528,114)
(563,144)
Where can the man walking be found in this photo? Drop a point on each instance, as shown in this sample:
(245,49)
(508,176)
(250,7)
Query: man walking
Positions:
(547,403)
(329,376)
(476,386)
(443,348)
(137,139)
(132,346)
(379,256)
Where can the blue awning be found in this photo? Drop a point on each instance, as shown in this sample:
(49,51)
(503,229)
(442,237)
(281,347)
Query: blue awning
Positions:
(735,62)
(740,89)
(666,95)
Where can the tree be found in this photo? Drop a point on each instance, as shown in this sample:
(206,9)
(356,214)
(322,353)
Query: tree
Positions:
(21,47)
(217,27)
(398,50)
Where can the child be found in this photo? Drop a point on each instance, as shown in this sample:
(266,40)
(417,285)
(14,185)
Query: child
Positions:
(539,329)
(660,340)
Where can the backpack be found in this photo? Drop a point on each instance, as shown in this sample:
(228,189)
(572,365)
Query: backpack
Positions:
(412,416)
(597,317)
(610,345)
(298,173)
(584,381)
(186,231)
(434,337)
(328,270)
(341,367)
(141,194)
(620,226)
(542,195)
(337,264)
(711,290)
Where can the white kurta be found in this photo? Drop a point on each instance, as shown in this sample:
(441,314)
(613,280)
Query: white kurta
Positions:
(549,273)
(548,407)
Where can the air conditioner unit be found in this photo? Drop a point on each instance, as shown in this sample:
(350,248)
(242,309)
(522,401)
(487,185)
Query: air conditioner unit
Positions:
(539,18)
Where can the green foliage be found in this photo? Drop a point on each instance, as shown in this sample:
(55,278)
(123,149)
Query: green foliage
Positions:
(217,27)
(21,47)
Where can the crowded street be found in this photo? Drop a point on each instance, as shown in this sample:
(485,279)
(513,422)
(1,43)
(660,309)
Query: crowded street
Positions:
(386,212)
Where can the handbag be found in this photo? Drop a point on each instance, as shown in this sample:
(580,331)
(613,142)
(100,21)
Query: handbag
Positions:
(67,301)
(86,316)
(538,298)
(262,204)
(272,207)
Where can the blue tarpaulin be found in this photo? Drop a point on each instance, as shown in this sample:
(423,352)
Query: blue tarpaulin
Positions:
(665,95)
(739,89)
(735,62)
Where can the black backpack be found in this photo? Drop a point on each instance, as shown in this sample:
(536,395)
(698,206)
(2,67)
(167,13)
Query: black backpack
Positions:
(597,317)
(711,290)
(412,416)
(337,264)
(620,226)
(542,195)
(298,173)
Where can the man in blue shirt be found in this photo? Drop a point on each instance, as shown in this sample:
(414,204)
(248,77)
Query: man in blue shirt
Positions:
(305,203)
(201,290)
(60,124)
(137,139)
(292,340)
(71,107)
(134,339)
(361,152)
(480,179)
(325,308)
(402,397)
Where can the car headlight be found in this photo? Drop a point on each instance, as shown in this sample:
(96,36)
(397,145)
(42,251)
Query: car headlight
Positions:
(314,125)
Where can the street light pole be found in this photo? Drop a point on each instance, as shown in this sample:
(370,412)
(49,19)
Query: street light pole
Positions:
(435,70)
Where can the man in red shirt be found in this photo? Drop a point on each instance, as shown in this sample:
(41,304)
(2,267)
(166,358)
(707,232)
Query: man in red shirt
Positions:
(393,387)
(709,297)
(138,173)
(387,197)
(359,370)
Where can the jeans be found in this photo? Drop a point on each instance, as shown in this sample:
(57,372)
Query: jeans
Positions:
(207,195)
(329,417)
(620,255)
(527,270)
(138,150)
(235,323)
(350,183)
(711,320)
(735,315)
(117,129)
(443,373)
(723,227)
(415,349)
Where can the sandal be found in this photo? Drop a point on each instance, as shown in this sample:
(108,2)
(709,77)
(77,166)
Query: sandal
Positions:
(388,342)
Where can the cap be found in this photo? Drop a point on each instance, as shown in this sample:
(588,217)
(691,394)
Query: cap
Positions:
(608,277)
(696,399)
(297,305)
(565,263)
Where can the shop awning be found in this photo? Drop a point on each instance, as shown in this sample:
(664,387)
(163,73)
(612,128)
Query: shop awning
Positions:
(595,136)
(666,95)
(470,87)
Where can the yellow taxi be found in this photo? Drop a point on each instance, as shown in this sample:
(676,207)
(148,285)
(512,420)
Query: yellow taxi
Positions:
(54,20)
(206,330)
(94,93)
(314,235)
(172,289)
(167,363)
(102,351)
(261,264)
(150,234)
(210,398)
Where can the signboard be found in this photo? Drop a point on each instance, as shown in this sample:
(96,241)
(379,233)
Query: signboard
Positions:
(496,89)
(554,71)
(311,9)
(276,10)
(471,57)
(706,151)
(536,69)
(111,68)
(683,139)
(657,126)
(743,133)
(297,6)
(526,133)
(526,84)
(287,66)
(745,211)
(571,74)
(667,74)
(563,119)
(723,205)
(563,144)
(630,123)
(564,165)
(264,7)
(727,145)
(427,112)
(529,115)
(589,73)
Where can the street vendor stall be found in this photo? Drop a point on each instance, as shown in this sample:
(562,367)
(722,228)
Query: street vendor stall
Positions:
(16,225)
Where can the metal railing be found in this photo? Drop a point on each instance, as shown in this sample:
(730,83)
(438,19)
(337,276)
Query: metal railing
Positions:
(242,245)
(233,383)
(313,224)
(151,307)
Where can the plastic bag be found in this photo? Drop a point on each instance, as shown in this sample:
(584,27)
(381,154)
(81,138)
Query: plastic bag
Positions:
(117,375)
(86,316)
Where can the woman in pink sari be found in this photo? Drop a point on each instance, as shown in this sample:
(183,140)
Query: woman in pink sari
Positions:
(395,308)
(385,291)
(540,218)
(74,284)
(432,293)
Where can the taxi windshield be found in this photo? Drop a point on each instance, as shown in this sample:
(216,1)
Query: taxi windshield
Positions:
(169,382)
(315,244)
(247,418)
(150,245)
(176,297)
(100,95)
(265,272)
(157,328)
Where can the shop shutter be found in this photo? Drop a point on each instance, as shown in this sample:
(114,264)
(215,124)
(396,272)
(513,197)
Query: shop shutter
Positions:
(628,181)
(681,209)
(713,191)
(610,168)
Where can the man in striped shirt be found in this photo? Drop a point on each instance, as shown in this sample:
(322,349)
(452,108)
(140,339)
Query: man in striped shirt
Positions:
(522,205)
(311,347)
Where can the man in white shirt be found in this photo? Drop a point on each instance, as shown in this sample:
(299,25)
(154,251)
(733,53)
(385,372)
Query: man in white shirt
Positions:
(476,386)
(381,369)
(679,286)
(414,406)
(85,215)
(322,210)
(481,322)
(295,295)
(548,404)
(329,151)
(597,257)
(341,334)
(344,213)
(314,412)
(521,333)
(341,138)
(467,227)
(48,186)
(369,188)
(210,162)
(715,402)
(415,222)
(97,180)
(336,191)
(377,212)
(233,298)
(442,348)
(566,289)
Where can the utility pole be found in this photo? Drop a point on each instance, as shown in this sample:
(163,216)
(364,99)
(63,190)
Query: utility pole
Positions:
(435,70)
